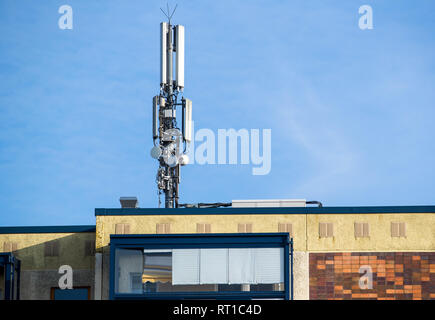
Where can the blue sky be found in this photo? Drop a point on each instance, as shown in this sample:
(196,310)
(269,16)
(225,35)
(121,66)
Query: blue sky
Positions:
(351,111)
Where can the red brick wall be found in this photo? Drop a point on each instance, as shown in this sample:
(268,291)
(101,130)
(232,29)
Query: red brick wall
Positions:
(396,275)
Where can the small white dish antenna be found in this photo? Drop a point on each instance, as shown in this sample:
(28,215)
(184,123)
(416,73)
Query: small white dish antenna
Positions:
(184,159)
(156,152)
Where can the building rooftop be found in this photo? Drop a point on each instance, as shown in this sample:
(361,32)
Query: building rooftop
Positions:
(271,210)
(48,229)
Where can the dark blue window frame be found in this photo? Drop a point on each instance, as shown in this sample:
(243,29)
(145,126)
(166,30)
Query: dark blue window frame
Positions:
(217,240)
(11,265)
(71,294)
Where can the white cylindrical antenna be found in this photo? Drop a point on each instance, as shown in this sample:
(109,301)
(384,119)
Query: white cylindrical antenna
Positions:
(179,36)
(163,50)
(170,60)
(187,120)
(155,117)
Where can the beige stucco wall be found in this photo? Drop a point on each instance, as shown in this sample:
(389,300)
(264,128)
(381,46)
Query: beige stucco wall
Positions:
(31,250)
(187,224)
(420,229)
(420,232)
(39,273)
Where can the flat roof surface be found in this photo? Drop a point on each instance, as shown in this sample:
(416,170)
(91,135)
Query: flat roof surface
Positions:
(273,210)
(48,229)
(215,211)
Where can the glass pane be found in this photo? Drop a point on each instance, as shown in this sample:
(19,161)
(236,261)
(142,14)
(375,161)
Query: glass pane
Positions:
(199,270)
(157,269)
(128,264)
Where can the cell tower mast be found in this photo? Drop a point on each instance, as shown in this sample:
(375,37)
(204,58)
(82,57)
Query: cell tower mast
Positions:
(170,143)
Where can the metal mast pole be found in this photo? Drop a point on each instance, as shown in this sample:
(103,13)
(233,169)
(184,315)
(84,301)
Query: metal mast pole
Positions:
(168,122)
(171,140)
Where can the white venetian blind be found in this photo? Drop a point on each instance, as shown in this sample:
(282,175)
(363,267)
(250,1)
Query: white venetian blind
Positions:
(213,266)
(227,266)
(185,266)
(241,266)
(269,264)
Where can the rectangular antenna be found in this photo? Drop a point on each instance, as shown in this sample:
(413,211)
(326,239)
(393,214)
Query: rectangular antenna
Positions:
(187,120)
(155,117)
(163,51)
(179,36)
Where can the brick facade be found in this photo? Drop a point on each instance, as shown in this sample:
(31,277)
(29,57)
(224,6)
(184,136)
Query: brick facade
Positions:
(396,275)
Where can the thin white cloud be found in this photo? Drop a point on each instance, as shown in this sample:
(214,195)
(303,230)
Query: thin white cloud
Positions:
(310,125)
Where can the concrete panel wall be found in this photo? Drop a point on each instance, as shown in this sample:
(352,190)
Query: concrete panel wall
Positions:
(106,275)
(301,275)
(37,284)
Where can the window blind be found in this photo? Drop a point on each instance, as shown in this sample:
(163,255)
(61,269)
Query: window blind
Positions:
(228,266)
(214,266)
(241,266)
(269,264)
(185,266)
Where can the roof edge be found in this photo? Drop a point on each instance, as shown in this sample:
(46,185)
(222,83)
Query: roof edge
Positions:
(48,229)
(263,210)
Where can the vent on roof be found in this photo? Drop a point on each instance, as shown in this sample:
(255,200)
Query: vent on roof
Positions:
(128,202)
(269,203)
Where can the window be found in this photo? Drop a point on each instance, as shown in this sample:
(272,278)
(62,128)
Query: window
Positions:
(326,230)
(203,227)
(398,229)
(286,227)
(128,262)
(10,246)
(51,248)
(196,270)
(244,227)
(163,228)
(89,248)
(122,228)
(204,266)
(157,269)
(361,230)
